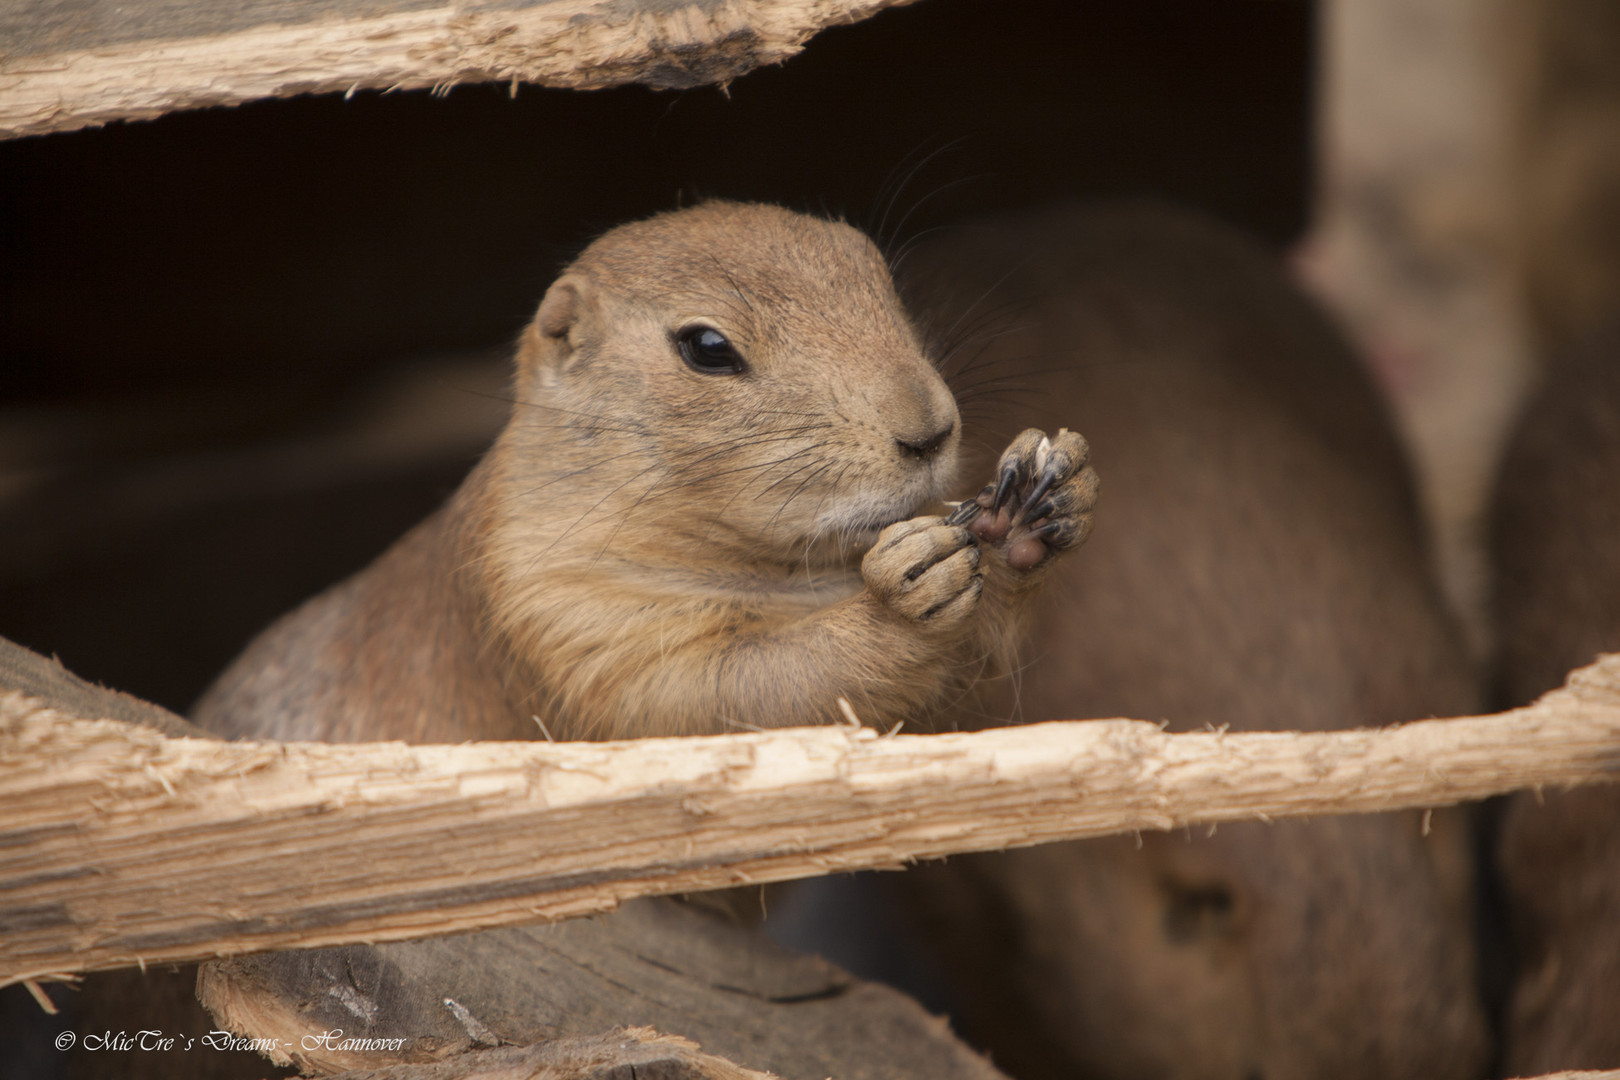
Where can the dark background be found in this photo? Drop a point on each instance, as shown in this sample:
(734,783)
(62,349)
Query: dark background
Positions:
(193,308)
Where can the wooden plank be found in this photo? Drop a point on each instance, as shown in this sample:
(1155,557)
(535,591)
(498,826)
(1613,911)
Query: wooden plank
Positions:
(67,65)
(45,679)
(122,846)
(501,1066)
(632,1053)
(636,1052)
(679,968)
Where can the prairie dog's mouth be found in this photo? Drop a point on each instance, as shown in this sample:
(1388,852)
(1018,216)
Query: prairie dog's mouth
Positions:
(868,522)
(861,516)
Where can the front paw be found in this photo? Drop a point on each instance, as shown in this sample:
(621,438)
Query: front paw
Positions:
(1041,502)
(925,571)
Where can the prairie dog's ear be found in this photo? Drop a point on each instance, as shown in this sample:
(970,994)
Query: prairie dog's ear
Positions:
(554,337)
(566,302)
(561,324)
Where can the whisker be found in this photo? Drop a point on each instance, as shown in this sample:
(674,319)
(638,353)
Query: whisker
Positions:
(986,294)
(782,480)
(732,281)
(720,514)
(882,229)
(940,190)
(912,243)
(592,509)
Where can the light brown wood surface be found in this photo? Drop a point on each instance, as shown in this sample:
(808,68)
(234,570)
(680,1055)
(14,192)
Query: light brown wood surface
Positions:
(71,65)
(122,846)
(503,1065)
(631,1053)
(685,969)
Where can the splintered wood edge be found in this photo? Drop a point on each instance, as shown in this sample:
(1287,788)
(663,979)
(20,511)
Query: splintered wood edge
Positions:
(579,44)
(122,847)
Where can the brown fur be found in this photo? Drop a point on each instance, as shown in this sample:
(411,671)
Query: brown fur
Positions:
(653,550)
(1259,566)
(1567,166)
(1556,526)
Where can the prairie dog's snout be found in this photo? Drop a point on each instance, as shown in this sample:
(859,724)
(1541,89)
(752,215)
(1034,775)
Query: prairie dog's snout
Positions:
(926,425)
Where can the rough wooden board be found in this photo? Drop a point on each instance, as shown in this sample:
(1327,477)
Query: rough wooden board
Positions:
(127,847)
(661,963)
(669,964)
(67,65)
(36,676)
(43,27)
(637,1054)
(512,1064)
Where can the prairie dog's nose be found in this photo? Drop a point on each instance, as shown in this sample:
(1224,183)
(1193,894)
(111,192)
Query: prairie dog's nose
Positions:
(925,446)
(918,410)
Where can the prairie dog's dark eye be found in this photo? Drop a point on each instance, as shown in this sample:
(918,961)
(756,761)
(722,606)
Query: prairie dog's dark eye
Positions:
(708,352)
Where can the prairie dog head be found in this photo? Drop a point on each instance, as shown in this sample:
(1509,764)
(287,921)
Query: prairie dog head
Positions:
(736,375)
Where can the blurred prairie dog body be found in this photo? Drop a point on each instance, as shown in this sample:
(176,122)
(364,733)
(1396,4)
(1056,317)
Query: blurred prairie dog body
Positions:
(1556,539)
(706,513)
(1260,565)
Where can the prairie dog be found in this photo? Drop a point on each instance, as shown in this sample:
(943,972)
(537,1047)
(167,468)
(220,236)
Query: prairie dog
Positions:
(1260,566)
(717,504)
(1556,539)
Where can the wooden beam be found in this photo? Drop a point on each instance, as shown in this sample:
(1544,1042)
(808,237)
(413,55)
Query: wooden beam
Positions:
(502,1064)
(680,968)
(633,1052)
(72,65)
(122,846)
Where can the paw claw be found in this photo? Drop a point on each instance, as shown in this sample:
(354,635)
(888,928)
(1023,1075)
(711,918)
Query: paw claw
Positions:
(1004,487)
(1038,493)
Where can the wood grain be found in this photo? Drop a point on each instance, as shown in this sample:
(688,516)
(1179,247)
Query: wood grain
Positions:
(70,65)
(631,1053)
(680,968)
(122,846)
